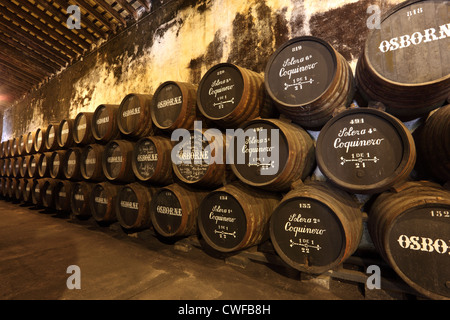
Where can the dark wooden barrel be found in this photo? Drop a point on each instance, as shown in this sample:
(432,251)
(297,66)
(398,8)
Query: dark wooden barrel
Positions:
(433,145)
(116,161)
(229,95)
(32,168)
(236,216)
(365,150)
(14,147)
(48,193)
(134,120)
(82,128)
(308,79)
(15,166)
(79,199)
(2,151)
(410,227)
(16,189)
(3,167)
(272,154)
(57,162)
(104,123)
(51,141)
(64,134)
(9,167)
(103,202)
(43,164)
(406,63)
(151,160)
(72,164)
(316,227)
(2,164)
(39,140)
(132,206)
(23,168)
(36,191)
(6,185)
(174,210)
(26,194)
(63,192)
(21,160)
(91,162)
(29,142)
(11,185)
(21,145)
(174,106)
(193,158)
(8,148)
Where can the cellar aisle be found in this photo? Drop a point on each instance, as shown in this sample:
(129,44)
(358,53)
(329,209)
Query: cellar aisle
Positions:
(37,247)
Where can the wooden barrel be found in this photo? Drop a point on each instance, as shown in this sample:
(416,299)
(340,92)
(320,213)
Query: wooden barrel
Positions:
(174,210)
(174,106)
(36,191)
(32,166)
(26,194)
(9,167)
(16,163)
(82,128)
(29,142)
(410,227)
(433,145)
(151,160)
(48,193)
(406,63)
(365,150)
(132,206)
(2,151)
(193,159)
(64,134)
(134,120)
(72,164)
(23,168)
(316,227)
(50,140)
(79,199)
(91,162)
(104,123)
(6,184)
(21,145)
(10,186)
(63,192)
(116,161)
(57,162)
(14,147)
(17,189)
(229,95)
(236,216)
(103,202)
(272,154)
(39,140)
(2,164)
(308,79)
(2,186)
(43,164)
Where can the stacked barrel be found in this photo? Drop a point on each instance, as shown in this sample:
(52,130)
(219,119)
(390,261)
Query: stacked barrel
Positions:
(243,157)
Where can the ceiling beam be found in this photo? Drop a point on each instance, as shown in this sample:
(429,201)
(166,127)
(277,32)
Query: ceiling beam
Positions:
(19,71)
(124,4)
(112,12)
(101,18)
(146,5)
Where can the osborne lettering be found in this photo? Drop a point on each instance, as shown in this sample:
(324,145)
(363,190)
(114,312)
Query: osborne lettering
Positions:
(168,102)
(102,120)
(415,39)
(129,205)
(147,157)
(424,244)
(101,200)
(131,112)
(169,210)
(114,159)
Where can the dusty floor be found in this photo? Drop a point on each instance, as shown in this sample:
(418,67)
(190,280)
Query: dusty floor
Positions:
(37,247)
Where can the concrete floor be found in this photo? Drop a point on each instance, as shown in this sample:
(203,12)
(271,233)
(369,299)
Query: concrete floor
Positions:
(37,247)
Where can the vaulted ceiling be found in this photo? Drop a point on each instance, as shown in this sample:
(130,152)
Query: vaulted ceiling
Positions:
(36,41)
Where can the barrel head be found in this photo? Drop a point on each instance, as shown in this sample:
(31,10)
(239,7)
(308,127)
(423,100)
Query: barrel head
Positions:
(145,159)
(127,207)
(113,160)
(99,202)
(166,104)
(166,212)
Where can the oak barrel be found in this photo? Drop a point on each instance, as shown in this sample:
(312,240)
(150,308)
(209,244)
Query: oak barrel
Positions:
(26,193)
(316,227)
(91,162)
(103,202)
(72,164)
(198,159)
(39,140)
(174,105)
(21,145)
(50,141)
(365,150)
(14,147)
(433,144)
(410,227)
(57,162)
(151,160)
(307,80)
(79,199)
(229,95)
(272,153)
(134,120)
(406,63)
(64,133)
(29,142)
(32,168)
(16,163)
(116,161)
(174,210)
(63,192)
(43,164)
(48,193)
(236,216)
(132,206)
(36,191)
(104,123)
(82,128)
